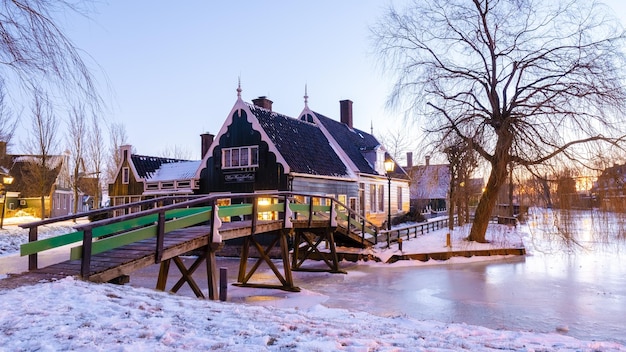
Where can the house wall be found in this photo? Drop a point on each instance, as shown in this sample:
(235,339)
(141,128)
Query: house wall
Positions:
(269,175)
(122,193)
(377,208)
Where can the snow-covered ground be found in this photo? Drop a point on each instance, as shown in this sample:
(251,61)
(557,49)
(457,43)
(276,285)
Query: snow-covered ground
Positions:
(73,315)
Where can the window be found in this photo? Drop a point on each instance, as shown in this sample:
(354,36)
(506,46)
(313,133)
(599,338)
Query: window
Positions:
(125,175)
(399,198)
(381,198)
(240,157)
(373,198)
(265,203)
(223,202)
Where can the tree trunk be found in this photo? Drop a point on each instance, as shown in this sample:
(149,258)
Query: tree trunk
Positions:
(488,201)
(451,207)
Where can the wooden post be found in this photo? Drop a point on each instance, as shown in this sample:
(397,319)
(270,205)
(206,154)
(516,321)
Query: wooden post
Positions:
(160,235)
(296,249)
(223,284)
(400,244)
(86,254)
(333,250)
(32,258)
(163,272)
(310,211)
(212,205)
(285,254)
(243,259)
(255,215)
(211,267)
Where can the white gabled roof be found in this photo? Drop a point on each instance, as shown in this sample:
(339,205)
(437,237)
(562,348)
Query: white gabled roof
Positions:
(183,170)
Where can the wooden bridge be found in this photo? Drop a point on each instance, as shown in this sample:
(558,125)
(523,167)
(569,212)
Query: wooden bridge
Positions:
(159,231)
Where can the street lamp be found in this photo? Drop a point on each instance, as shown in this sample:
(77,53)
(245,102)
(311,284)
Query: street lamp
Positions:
(389,167)
(6,180)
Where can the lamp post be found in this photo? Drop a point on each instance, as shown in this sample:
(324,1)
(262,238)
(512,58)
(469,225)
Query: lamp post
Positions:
(6,180)
(389,167)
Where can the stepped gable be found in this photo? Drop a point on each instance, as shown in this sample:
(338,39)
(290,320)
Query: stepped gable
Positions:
(146,166)
(303,145)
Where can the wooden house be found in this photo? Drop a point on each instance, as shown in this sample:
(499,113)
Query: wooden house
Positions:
(24,193)
(142,177)
(430,185)
(609,190)
(259,150)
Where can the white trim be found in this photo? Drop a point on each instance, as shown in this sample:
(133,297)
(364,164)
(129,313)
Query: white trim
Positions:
(337,178)
(241,105)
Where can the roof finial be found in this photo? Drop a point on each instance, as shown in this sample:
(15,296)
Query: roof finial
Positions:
(372,127)
(239,87)
(306,96)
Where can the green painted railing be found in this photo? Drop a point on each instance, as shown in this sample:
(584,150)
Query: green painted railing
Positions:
(103,235)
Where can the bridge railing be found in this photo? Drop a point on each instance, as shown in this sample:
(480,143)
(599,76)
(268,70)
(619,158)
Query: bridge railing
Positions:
(159,219)
(35,245)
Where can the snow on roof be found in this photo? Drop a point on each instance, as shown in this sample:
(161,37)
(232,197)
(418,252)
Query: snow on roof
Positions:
(182,170)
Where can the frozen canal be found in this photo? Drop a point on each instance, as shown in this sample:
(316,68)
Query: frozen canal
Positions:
(578,289)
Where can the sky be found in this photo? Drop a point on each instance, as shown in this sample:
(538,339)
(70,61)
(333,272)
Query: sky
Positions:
(172,70)
(169,71)
(70,314)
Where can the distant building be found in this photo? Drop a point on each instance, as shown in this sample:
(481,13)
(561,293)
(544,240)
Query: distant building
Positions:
(430,185)
(609,191)
(24,193)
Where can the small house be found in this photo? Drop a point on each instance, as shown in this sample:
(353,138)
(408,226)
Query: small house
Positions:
(258,150)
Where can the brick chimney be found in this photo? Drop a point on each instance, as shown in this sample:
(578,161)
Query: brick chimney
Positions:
(207,140)
(263,102)
(346,112)
(409,160)
(427,160)
(3,149)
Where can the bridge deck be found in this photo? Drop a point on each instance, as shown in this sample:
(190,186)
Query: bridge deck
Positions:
(124,260)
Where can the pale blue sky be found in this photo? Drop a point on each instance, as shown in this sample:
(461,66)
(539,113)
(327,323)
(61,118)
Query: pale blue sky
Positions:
(173,67)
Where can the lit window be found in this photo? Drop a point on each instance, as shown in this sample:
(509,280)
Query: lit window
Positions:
(266,215)
(222,203)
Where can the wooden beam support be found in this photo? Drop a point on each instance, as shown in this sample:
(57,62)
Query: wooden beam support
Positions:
(211,270)
(286,281)
(163,272)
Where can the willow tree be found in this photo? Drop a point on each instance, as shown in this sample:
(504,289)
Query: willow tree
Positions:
(36,53)
(528,82)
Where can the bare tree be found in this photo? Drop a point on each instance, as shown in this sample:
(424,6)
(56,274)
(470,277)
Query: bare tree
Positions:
(176,152)
(37,53)
(8,122)
(462,163)
(95,156)
(525,82)
(397,142)
(42,144)
(76,139)
(118,138)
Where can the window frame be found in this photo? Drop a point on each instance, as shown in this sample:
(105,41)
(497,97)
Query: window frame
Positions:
(125,175)
(240,157)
